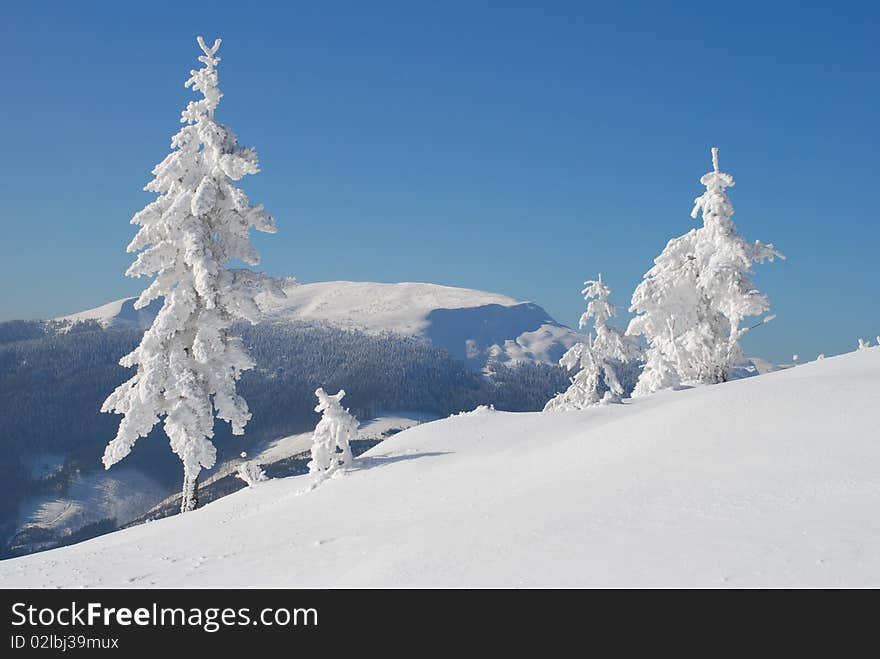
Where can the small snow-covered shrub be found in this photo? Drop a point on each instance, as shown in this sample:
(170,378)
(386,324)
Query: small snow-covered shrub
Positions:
(479,409)
(330,442)
(251,473)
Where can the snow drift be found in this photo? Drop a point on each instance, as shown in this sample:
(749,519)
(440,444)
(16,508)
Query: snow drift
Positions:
(768,481)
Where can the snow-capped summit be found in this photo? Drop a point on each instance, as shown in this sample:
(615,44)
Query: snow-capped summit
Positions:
(119,314)
(471,325)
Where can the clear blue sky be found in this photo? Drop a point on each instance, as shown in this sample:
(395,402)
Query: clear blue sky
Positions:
(518,147)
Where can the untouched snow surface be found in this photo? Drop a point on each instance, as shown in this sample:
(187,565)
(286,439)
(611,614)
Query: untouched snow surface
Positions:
(768,481)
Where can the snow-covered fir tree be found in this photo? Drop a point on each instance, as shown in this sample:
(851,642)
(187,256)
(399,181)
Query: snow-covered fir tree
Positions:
(188,361)
(691,304)
(598,359)
(330,442)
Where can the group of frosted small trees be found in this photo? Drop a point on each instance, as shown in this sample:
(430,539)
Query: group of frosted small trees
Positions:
(690,305)
(690,309)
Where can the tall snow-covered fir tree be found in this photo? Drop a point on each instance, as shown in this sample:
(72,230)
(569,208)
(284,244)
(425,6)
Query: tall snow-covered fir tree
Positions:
(691,304)
(599,358)
(188,361)
(330,442)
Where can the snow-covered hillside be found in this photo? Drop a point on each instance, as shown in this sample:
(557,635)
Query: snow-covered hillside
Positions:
(472,325)
(89,499)
(767,481)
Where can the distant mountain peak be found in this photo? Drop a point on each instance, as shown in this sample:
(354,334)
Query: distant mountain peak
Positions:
(473,326)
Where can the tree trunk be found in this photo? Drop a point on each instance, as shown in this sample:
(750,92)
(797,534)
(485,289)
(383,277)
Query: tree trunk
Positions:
(190,497)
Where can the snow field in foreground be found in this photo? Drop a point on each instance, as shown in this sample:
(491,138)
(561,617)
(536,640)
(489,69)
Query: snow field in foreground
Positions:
(769,481)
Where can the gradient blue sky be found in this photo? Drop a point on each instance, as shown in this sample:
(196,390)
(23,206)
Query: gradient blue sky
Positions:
(518,147)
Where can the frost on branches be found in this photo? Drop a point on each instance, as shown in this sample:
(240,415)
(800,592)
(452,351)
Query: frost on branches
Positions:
(250,472)
(330,449)
(188,361)
(691,304)
(599,358)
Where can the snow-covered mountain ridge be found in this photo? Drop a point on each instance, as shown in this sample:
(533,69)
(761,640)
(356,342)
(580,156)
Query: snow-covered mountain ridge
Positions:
(767,481)
(472,325)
